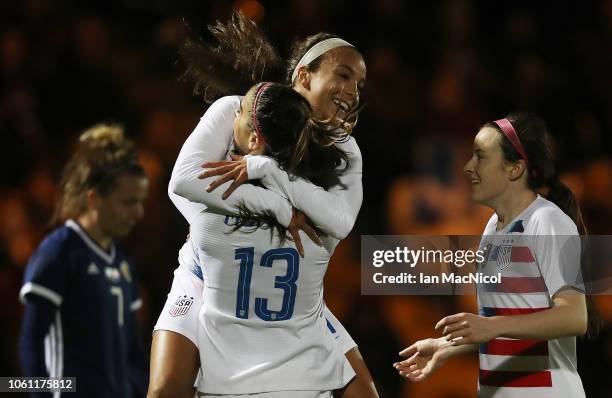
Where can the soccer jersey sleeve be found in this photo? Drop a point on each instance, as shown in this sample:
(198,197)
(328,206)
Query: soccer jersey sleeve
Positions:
(333,211)
(38,317)
(46,274)
(557,248)
(210,142)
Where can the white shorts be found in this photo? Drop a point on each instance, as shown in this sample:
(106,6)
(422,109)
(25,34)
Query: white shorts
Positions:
(180,313)
(274,394)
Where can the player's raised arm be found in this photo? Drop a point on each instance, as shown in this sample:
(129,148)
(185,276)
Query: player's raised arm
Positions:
(210,141)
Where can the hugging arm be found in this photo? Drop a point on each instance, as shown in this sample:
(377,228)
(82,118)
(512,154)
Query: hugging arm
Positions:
(210,141)
(333,211)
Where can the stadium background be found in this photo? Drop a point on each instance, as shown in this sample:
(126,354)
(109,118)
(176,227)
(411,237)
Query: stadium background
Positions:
(436,72)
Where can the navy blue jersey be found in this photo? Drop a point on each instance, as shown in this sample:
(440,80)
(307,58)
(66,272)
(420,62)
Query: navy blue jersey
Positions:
(93,334)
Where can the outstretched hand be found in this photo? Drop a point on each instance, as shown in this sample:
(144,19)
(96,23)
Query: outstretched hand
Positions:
(235,169)
(424,357)
(299,221)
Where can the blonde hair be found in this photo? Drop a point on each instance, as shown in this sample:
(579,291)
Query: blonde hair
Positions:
(102,155)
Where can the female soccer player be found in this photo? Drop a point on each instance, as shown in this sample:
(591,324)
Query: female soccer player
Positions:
(80,289)
(330,81)
(527,325)
(256,286)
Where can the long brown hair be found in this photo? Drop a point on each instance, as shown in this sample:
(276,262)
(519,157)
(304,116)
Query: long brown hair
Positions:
(238,56)
(241,55)
(103,154)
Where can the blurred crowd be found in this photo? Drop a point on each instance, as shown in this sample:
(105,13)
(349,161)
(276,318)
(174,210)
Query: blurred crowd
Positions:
(437,71)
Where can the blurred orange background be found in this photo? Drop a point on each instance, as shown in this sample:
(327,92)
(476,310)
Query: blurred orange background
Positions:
(436,72)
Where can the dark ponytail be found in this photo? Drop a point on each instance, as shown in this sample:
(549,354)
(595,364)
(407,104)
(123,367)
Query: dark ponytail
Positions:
(316,154)
(563,197)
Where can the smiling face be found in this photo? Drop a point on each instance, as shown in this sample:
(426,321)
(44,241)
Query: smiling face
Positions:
(333,89)
(490,175)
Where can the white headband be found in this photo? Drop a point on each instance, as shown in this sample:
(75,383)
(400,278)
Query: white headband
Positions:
(317,50)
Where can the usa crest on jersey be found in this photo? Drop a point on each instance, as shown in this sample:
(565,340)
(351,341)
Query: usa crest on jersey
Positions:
(181,306)
(504,254)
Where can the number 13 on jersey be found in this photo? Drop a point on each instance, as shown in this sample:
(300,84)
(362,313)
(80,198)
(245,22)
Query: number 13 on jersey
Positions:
(286,282)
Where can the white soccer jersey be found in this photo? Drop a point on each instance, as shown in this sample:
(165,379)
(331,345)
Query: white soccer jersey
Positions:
(261,322)
(537,254)
(180,312)
(261,294)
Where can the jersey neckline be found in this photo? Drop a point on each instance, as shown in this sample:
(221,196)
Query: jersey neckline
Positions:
(518,216)
(109,256)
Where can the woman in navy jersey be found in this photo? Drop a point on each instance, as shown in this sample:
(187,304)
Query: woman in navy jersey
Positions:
(80,289)
(527,324)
